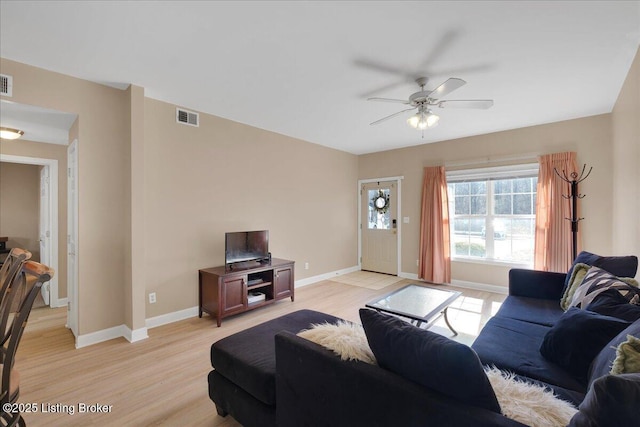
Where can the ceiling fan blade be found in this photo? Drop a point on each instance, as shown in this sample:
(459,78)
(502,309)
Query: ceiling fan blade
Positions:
(468,103)
(441,47)
(446,88)
(391,116)
(397,101)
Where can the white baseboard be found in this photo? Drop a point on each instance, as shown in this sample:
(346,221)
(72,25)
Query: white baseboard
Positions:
(175,316)
(481,287)
(467,285)
(164,319)
(410,276)
(100,336)
(136,334)
(325,276)
(60,302)
(121,331)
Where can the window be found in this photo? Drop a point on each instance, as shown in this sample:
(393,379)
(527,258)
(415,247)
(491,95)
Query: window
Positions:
(492,213)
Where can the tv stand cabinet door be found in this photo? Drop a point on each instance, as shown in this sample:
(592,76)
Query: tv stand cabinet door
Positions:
(234,295)
(283,282)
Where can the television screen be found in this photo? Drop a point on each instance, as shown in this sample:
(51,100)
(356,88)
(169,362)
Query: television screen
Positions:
(243,246)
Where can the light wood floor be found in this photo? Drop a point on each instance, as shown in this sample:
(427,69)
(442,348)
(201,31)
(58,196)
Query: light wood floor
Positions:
(163,380)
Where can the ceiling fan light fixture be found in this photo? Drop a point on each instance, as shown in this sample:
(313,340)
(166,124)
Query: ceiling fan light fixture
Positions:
(423,120)
(10,133)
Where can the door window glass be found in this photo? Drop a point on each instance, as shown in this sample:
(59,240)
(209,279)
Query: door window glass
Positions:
(379,212)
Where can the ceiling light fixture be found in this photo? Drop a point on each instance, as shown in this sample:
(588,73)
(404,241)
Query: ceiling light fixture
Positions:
(423,119)
(10,133)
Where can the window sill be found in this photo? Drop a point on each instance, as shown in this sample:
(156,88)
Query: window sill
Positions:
(494,262)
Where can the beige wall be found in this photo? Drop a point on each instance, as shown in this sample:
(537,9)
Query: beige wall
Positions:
(102,131)
(155,197)
(41,150)
(590,137)
(626,158)
(20,206)
(226,176)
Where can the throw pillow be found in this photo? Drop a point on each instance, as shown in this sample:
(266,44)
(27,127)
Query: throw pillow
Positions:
(530,404)
(577,337)
(612,303)
(429,359)
(612,400)
(627,359)
(604,360)
(623,266)
(346,339)
(577,275)
(597,281)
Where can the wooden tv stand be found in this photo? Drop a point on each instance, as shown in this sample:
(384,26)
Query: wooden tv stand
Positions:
(224,292)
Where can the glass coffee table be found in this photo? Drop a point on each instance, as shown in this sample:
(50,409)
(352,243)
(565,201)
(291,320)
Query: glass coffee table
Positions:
(421,304)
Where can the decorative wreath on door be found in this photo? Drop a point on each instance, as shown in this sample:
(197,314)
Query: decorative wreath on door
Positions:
(381,202)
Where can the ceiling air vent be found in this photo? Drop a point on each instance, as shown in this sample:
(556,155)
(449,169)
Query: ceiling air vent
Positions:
(6,85)
(186,117)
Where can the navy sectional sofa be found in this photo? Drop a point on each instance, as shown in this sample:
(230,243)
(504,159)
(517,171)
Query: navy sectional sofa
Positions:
(290,381)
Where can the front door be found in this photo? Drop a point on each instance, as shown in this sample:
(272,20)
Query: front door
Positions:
(379,227)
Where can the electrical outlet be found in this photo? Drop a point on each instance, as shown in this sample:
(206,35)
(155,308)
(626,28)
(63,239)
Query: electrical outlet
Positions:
(418,262)
(306,265)
(152,298)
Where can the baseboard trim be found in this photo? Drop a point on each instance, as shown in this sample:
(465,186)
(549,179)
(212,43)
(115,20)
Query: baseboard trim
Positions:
(326,276)
(164,319)
(465,284)
(121,331)
(481,287)
(136,334)
(410,276)
(60,302)
(100,336)
(175,316)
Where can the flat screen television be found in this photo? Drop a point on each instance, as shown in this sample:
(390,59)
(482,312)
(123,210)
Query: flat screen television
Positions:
(243,246)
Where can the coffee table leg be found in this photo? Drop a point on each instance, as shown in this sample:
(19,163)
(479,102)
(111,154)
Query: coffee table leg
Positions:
(446,320)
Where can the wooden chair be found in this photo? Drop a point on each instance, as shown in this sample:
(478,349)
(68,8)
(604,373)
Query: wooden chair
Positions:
(25,286)
(11,267)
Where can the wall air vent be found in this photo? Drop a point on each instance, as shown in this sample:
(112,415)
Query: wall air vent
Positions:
(6,85)
(187,117)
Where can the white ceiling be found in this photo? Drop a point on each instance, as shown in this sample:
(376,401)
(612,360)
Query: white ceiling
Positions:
(305,69)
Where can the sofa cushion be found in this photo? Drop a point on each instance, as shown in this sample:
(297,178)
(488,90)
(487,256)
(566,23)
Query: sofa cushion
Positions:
(535,310)
(612,303)
(604,360)
(622,266)
(248,358)
(612,400)
(428,359)
(514,345)
(578,337)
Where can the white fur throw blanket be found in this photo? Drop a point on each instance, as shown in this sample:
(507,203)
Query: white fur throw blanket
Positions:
(530,404)
(346,339)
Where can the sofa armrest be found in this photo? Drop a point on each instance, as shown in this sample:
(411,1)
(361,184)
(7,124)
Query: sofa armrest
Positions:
(536,284)
(315,387)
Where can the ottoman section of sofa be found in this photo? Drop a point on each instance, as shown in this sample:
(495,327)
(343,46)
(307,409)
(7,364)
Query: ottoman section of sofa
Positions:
(247,359)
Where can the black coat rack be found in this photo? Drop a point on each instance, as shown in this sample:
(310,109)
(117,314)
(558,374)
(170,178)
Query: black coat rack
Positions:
(574,179)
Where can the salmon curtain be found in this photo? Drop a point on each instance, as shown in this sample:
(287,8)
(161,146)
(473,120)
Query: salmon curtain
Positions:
(553,238)
(434,261)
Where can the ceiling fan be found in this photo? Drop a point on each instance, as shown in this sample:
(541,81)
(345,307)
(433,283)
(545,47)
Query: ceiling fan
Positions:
(424,100)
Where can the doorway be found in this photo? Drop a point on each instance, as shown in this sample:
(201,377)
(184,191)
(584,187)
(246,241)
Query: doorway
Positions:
(48,219)
(379,231)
